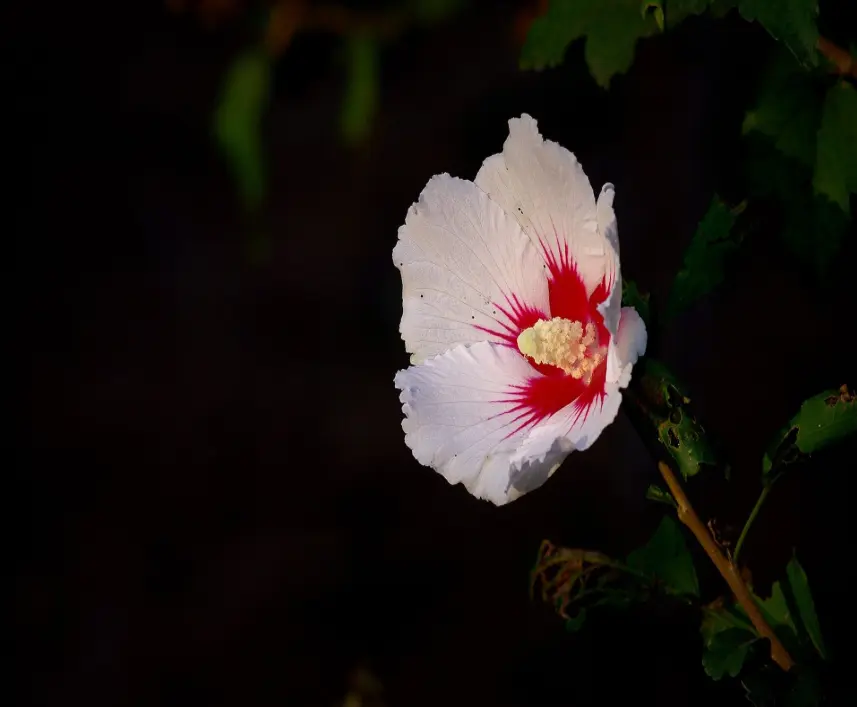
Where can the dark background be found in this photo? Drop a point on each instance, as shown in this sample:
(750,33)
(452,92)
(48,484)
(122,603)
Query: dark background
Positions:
(216,502)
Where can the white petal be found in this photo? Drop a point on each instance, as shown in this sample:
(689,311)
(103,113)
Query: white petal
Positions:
(544,186)
(626,347)
(550,442)
(467,270)
(459,417)
(609,230)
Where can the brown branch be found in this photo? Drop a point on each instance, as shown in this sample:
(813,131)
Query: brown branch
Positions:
(840,58)
(727,569)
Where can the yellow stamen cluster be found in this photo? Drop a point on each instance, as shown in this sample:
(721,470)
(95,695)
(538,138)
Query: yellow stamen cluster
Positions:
(565,344)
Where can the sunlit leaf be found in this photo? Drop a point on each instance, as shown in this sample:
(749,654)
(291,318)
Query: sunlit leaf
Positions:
(793,22)
(238,122)
(611,28)
(822,420)
(362,87)
(705,258)
(836,159)
(665,558)
(661,409)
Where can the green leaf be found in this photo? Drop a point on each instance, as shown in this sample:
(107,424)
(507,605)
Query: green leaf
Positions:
(790,611)
(836,159)
(362,88)
(611,28)
(679,10)
(793,22)
(813,230)
(726,652)
(655,8)
(822,420)
(633,297)
(799,586)
(812,226)
(238,120)
(656,493)
(727,637)
(786,146)
(666,558)
(776,608)
(788,109)
(660,405)
(705,257)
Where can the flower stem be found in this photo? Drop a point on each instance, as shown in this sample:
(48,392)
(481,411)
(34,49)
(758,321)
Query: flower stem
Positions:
(766,489)
(727,569)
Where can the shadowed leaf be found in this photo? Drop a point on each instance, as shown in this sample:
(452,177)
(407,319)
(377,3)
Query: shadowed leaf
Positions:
(799,585)
(792,22)
(611,28)
(705,258)
(665,557)
(836,160)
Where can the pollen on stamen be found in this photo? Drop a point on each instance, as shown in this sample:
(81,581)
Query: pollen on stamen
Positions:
(566,344)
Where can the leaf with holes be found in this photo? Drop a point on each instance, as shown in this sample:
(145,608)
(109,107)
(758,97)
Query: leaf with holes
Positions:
(655,8)
(659,406)
(822,420)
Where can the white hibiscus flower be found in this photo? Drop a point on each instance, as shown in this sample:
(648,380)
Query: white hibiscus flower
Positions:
(513,318)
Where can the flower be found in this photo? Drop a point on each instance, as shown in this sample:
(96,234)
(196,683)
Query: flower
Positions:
(512,315)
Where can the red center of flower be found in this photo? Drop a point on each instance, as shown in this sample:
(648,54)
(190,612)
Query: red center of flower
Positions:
(554,389)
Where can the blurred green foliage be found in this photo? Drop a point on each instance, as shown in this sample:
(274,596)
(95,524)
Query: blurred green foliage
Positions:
(238,122)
